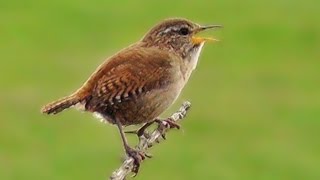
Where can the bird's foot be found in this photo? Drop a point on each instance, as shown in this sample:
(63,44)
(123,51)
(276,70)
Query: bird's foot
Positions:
(166,124)
(138,157)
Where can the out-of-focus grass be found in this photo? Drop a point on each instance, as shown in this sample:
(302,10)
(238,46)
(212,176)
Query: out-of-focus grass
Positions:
(255,95)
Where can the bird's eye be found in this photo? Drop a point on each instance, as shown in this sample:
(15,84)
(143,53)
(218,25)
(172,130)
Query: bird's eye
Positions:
(184,31)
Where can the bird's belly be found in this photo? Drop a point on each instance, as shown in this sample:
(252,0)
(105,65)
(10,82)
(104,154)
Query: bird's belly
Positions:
(147,107)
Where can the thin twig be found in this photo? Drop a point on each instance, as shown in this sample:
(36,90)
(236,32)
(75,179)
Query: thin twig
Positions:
(146,141)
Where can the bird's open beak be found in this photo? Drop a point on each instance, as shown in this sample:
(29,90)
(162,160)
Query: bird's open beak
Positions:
(199,40)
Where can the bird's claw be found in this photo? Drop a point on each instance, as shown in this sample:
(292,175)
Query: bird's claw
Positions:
(138,157)
(166,124)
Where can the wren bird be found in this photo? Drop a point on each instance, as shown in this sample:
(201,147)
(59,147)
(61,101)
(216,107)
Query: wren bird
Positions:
(140,82)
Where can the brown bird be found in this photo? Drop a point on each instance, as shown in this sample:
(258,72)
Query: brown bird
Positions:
(141,81)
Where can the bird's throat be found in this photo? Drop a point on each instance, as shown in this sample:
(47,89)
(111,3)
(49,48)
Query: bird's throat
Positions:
(191,61)
(194,56)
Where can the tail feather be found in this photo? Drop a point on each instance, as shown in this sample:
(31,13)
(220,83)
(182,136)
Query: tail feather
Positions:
(60,105)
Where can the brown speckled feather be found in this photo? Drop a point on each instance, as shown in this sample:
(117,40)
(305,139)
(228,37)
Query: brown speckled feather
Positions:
(130,79)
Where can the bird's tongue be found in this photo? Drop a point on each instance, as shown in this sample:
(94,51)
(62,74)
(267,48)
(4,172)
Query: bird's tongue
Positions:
(199,40)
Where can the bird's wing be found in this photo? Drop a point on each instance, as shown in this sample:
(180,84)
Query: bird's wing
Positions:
(129,74)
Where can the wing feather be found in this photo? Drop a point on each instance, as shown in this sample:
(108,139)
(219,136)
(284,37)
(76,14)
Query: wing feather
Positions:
(129,74)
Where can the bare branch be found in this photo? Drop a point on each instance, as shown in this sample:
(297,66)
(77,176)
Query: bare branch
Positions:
(148,140)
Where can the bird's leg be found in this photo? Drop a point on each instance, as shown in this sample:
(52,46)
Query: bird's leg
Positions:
(141,131)
(166,123)
(137,156)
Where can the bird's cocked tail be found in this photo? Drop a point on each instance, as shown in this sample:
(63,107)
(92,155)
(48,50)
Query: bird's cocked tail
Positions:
(60,105)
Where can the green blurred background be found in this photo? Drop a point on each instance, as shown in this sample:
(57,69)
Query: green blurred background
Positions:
(255,95)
